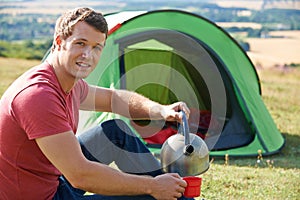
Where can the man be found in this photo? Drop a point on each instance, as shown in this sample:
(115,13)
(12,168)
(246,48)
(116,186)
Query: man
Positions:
(40,156)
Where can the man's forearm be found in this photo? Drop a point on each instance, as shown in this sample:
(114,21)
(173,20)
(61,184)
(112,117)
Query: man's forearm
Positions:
(135,106)
(101,179)
(111,181)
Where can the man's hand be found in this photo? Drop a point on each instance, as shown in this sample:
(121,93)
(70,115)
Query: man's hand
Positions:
(172,112)
(168,186)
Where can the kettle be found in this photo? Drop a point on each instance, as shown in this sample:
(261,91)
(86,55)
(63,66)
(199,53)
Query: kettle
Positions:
(184,153)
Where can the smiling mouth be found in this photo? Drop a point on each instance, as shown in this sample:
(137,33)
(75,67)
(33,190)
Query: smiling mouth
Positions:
(83,65)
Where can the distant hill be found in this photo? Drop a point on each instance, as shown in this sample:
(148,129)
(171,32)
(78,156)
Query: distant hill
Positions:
(259,4)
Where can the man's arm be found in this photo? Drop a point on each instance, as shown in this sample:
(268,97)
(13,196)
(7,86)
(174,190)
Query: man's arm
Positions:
(64,152)
(131,105)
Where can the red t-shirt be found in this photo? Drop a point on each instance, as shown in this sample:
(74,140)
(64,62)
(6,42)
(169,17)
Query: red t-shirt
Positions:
(34,106)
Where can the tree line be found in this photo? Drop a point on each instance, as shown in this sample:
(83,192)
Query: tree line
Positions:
(26,49)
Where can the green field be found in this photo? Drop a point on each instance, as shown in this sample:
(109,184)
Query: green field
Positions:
(276,177)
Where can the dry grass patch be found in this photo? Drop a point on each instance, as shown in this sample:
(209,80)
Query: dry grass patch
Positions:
(268,52)
(11,68)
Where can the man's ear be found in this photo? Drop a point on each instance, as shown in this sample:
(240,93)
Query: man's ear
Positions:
(58,41)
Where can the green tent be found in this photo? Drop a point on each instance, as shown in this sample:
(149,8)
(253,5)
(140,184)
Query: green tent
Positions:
(171,55)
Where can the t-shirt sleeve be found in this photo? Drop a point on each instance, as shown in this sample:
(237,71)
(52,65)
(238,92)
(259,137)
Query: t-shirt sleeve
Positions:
(40,111)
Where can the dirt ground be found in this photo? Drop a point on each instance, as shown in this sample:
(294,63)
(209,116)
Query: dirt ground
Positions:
(269,52)
(258,4)
(56,6)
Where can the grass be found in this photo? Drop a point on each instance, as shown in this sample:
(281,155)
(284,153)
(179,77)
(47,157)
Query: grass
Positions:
(276,177)
(11,68)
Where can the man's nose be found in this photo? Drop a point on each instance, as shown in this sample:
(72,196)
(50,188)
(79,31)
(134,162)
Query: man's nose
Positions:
(86,52)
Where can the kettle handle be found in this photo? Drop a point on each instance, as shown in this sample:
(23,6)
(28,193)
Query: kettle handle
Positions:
(185,129)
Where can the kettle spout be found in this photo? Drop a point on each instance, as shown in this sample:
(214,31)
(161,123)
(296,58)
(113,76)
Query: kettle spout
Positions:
(188,149)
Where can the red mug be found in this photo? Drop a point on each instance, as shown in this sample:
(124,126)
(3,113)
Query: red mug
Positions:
(193,186)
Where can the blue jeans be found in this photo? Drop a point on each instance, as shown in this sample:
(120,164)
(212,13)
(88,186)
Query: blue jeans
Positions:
(112,141)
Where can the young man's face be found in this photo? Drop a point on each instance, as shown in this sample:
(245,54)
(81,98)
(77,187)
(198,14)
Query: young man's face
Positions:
(80,52)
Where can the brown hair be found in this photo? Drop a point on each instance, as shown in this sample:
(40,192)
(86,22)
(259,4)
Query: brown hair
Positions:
(66,22)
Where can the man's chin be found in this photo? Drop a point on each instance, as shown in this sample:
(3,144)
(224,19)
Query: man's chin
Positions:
(83,74)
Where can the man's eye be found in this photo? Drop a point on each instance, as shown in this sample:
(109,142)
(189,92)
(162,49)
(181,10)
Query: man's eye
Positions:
(98,47)
(80,43)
